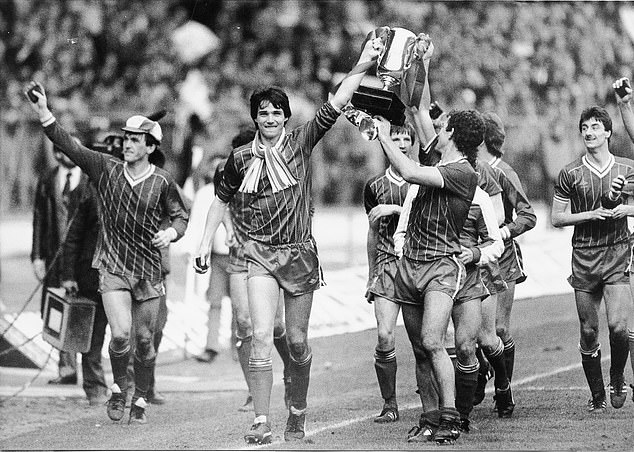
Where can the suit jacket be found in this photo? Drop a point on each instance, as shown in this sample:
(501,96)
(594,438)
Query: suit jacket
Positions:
(81,242)
(49,222)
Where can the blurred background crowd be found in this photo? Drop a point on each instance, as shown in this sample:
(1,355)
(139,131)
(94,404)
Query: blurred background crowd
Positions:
(536,64)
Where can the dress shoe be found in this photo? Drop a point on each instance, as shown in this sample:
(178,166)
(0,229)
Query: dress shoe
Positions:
(67,380)
(207,356)
(155,398)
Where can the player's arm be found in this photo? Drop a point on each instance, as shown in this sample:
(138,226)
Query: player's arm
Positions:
(419,115)
(87,159)
(560,216)
(214,218)
(625,107)
(351,82)
(406,167)
(525,218)
(371,243)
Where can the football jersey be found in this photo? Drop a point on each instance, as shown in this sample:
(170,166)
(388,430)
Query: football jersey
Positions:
(519,215)
(281,217)
(131,211)
(386,188)
(582,184)
(438,213)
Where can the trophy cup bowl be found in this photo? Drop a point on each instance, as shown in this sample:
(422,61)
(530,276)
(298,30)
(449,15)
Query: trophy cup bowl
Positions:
(394,60)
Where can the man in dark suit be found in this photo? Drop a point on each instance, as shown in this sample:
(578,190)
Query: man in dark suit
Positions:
(79,277)
(50,220)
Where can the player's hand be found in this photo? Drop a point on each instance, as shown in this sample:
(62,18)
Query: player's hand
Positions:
(201,262)
(620,211)
(382,210)
(40,106)
(466,255)
(163,238)
(230,238)
(599,214)
(618,183)
(39,268)
(628,97)
(70,287)
(382,125)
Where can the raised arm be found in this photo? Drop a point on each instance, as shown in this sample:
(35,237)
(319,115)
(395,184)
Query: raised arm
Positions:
(351,82)
(625,105)
(408,168)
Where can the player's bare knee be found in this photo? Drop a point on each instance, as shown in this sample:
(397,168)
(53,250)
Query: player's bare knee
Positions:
(432,345)
(119,343)
(465,351)
(279,330)
(144,346)
(502,331)
(299,350)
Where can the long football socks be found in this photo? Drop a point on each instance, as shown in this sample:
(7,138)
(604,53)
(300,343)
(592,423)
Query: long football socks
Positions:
(619,352)
(261,379)
(119,360)
(300,378)
(591,362)
(143,376)
(385,367)
(509,357)
(282,348)
(466,382)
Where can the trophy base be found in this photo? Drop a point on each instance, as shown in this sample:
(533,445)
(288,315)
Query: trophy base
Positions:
(379,102)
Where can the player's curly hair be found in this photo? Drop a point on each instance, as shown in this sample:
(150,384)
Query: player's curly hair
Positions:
(468,132)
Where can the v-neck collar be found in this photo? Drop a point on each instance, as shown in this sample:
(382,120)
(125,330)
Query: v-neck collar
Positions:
(599,172)
(136,181)
(393,177)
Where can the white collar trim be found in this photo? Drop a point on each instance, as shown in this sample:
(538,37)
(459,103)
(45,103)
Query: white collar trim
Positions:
(393,177)
(134,182)
(599,172)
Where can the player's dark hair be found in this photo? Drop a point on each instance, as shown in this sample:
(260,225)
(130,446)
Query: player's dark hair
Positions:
(494,135)
(272,94)
(598,113)
(468,132)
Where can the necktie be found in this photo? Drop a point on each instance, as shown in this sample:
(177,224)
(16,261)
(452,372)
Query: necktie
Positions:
(66,189)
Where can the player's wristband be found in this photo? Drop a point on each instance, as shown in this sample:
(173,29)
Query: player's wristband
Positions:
(48,120)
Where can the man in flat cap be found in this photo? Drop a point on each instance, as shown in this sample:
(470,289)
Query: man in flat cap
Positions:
(134,197)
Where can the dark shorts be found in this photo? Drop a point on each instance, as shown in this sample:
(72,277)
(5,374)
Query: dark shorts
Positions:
(492,278)
(593,268)
(473,287)
(382,284)
(141,289)
(414,279)
(511,263)
(237,262)
(295,266)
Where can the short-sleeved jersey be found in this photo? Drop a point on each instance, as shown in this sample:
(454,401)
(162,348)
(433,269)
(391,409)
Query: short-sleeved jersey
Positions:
(386,188)
(131,210)
(582,184)
(281,217)
(519,215)
(438,213)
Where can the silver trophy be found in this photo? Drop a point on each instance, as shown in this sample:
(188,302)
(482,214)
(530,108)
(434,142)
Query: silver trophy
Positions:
(402,73)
